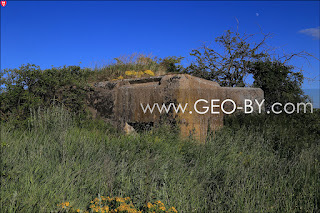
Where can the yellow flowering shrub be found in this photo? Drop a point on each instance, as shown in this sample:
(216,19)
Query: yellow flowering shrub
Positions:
(117,204)
(139,74)
(136,74)
(149,72)
(119,78)
(130,73)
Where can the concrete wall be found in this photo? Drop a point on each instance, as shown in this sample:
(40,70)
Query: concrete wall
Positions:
(119,101)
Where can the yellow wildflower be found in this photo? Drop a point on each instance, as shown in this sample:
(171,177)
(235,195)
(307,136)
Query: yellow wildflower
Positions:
(149,72)
(139,74)
(149,205)
(120,199)
(130,73)
(159,202)
(172,209)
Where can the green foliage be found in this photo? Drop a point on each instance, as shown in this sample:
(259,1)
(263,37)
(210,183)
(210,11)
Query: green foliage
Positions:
(238,170)
(29,87)
(257,163)
(287,135)
(118,67)
(136,62)
(172,64)
(240,58)
(278,81)
(230,67)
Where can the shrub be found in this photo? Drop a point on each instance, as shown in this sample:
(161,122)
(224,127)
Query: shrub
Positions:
(29,87)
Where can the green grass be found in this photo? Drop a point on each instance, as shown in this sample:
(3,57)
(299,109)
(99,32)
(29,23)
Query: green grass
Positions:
(244,168)
(134,62)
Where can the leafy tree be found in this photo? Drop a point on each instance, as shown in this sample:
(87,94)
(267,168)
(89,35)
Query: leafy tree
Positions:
(241,57)
(230,67)
(278,81)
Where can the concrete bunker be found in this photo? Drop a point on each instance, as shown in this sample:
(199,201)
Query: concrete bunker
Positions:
(120,102)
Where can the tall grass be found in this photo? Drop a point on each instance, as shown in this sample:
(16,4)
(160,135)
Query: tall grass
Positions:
(236,171)
(134,62)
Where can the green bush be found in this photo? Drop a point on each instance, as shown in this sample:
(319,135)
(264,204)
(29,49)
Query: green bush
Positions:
(29,88)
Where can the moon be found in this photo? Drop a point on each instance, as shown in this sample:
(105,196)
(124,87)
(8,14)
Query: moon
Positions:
(257,14)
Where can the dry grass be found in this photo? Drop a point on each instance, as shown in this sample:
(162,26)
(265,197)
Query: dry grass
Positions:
(136,62)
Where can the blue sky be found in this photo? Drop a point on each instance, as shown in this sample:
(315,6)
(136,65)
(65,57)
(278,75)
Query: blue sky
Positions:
(59,33)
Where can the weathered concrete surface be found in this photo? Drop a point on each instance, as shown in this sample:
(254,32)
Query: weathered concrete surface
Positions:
(120,102)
